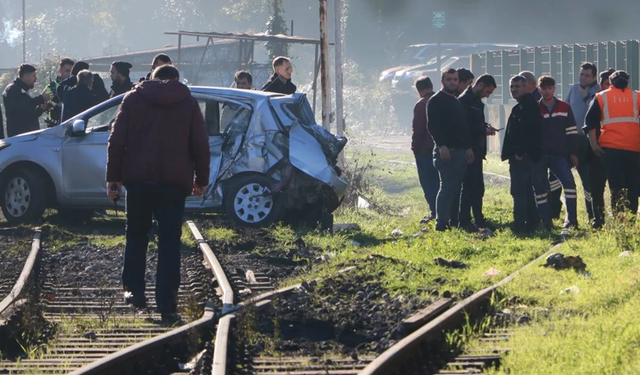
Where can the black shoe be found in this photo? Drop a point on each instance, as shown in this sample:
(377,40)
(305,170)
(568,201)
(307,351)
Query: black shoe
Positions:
(427,219)
(486,225)
(171,320)
(137,301)
(468,227)
(570,225)
(597,224)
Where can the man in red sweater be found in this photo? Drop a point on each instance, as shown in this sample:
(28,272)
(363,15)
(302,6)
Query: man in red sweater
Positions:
(159,150)
(422,147)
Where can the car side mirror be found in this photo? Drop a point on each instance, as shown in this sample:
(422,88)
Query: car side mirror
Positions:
(78,128)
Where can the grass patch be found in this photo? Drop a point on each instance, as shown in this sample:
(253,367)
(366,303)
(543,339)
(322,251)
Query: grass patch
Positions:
(407,264)
(220,234)
(595,330)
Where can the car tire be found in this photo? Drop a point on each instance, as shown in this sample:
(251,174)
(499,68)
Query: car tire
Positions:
(23,196)
(244,203)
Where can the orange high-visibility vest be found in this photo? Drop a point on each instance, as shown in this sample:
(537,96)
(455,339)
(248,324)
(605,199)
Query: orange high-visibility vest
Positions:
(620,127)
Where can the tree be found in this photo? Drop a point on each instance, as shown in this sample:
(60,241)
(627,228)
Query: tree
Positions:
(276,26)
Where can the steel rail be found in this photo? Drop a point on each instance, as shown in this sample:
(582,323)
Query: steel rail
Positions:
(117,360)
(121,358)
(391,360)
(19,287)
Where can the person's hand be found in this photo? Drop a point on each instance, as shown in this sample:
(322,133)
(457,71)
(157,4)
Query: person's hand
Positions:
(490,131)
(574,160)
(470,156)
(46,96)
(595,147)
(114,190)
(519,158)
(198,190)
(445,155)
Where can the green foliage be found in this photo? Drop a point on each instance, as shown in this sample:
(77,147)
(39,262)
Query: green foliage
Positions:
(277,26)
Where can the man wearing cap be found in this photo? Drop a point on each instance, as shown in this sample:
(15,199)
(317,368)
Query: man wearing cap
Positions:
(614,113)
(121,82)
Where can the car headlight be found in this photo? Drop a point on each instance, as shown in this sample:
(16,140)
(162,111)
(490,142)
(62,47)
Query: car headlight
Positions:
(4,144)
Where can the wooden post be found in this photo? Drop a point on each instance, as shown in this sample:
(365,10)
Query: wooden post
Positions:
(565,58)
(325,82)
(611,55)
(339,75)
(506,75)
(621,56)
(590,53)
(179,50)
(632,63)
(538,70)
(577,61)
(603,63)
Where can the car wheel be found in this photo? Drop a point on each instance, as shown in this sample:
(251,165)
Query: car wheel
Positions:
(23,196)
(248,201)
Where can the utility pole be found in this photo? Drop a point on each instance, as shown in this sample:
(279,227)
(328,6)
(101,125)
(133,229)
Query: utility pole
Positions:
(24,33)
(339,75)
(325,82)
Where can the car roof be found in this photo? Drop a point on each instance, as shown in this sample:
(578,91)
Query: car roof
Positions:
(254,94)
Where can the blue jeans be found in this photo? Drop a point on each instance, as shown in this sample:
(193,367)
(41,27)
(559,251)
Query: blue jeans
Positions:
(451,177)
(166,202)
(429,180)
(560,167)
(584,158)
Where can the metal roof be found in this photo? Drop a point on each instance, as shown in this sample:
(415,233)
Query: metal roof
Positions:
(247,36)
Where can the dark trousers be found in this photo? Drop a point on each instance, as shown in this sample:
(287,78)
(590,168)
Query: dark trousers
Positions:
(472,194)
(525,212)
(166,202)
(451,177)
(560,167)
(429,180)
(584,157)
(598,177)
(623,172)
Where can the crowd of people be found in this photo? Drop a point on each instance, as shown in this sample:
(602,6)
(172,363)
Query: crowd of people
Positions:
(595,130)
(77,88)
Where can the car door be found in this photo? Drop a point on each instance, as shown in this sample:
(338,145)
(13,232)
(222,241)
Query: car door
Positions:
(220,114)
(84,159)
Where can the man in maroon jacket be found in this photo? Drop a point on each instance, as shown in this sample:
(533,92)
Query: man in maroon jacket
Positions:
(422,147)
(157,142)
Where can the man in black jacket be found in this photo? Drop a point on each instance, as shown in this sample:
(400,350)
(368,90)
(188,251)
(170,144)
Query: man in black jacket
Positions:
(280,81)
(80,98)
(448,127)
(159,60)
(23,111)
(522,147)
(1,124)
(121,82)
(473,185)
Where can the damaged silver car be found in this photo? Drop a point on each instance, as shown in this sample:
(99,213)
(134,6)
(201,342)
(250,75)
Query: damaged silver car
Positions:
(268,158)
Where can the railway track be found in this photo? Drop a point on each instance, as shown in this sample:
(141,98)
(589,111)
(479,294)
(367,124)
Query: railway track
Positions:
(417,353)
(95,332)
(131,342)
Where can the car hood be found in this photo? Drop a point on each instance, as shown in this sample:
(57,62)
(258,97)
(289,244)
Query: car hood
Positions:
(56,131)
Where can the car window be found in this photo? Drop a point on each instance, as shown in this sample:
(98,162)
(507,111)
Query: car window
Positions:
(103,120)
(224,117)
